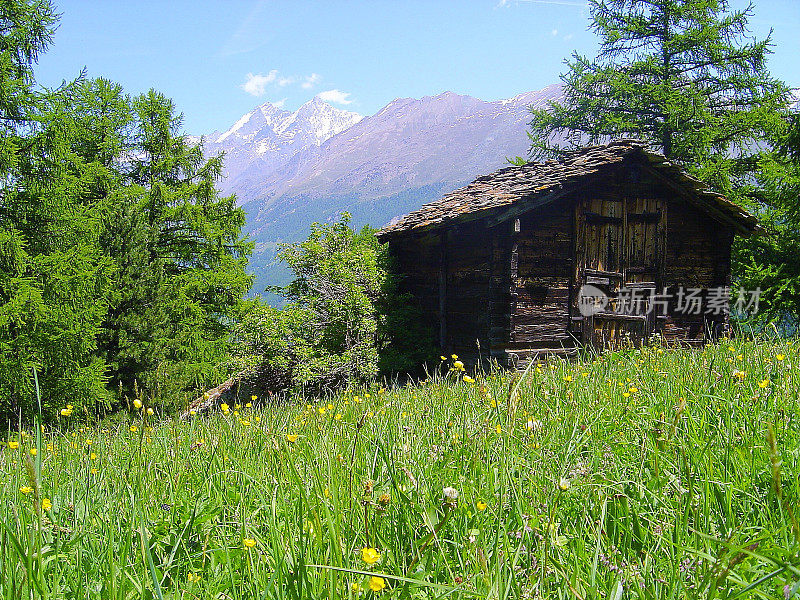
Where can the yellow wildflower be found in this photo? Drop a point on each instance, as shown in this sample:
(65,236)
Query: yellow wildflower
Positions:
(134,428)
(13,445)
(376,584)
(225,408)
(33,451)
(137,404)
(780,357)
(26,489)
(563,484)
(150,411)
(468,379)
(763,384)
(192,577)
(292,437)
(46,504)
(480,505)
(249,542)
(370,555)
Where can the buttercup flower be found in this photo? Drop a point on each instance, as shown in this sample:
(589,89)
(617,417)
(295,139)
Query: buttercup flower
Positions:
(370,555)
(249,542)
(137,404)
(376,584)
(292,437)
(46,504)
(480,505)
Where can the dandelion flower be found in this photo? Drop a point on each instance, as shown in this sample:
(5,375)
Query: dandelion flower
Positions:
(134,428)
(13,445)
(46,504)
(370,555)
(33,451)
(26,489)
(450,495)
(291,437)
(225,408)
(780,357)
(249,542)
(480,505)
(253,397)
(763,384)
(376,584)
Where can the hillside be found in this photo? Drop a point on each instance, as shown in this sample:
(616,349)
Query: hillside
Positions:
(645,474)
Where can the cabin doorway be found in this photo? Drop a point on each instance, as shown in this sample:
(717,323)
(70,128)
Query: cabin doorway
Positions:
(619,254)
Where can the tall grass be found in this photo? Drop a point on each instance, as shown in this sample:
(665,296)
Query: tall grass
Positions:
(643,474)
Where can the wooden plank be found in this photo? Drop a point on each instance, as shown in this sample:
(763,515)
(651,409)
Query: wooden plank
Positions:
(443,290)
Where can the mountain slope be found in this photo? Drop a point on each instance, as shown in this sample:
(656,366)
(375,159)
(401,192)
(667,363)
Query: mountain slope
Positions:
(290,169)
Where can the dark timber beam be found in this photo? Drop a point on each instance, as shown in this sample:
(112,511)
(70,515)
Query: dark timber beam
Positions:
(443,290)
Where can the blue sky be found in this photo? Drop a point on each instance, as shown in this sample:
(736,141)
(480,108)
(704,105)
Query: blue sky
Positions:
(218,60)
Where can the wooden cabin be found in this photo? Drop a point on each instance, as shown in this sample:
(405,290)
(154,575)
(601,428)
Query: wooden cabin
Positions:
(499,267)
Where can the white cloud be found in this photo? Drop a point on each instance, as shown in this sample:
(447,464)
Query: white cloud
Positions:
(335,96)
(554,32)
(310,81)
(256,85)
(568,37)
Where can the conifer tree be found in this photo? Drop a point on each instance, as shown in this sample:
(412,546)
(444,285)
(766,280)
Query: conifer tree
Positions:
(683,74)
(53,276)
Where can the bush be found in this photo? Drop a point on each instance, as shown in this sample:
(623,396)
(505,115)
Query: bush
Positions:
(343,322)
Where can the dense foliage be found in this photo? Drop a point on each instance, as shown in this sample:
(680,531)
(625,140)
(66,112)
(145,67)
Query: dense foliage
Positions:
(344,320)
(120,265)
(648,474)
(772,262)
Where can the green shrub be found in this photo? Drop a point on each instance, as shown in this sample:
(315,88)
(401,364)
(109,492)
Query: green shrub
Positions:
(343,322)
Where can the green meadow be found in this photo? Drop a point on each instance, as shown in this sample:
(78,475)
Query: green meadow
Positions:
(649,473)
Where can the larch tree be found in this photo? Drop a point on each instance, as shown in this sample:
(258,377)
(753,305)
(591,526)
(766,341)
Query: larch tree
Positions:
(683,74)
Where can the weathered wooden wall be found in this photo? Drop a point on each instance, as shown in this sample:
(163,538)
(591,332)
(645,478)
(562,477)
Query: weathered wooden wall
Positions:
(541,259)
(698,255)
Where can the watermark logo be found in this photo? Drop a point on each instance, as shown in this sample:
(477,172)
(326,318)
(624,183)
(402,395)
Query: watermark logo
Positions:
(591,300)
(688,301)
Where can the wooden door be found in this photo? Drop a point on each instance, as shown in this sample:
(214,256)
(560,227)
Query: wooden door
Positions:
(619,251)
